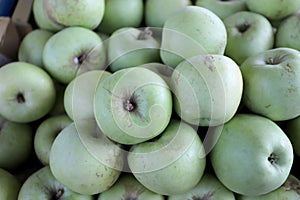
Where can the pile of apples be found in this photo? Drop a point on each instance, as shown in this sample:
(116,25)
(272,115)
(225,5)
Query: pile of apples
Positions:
(153,99)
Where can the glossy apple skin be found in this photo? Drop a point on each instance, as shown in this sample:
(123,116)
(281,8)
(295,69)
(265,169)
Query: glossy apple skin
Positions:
(272,83)
(9,185)
(178,153)
(252,156)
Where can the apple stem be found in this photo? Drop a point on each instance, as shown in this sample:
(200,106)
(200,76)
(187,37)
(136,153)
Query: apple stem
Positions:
(80,59)
(20,98)
(59,194)
(243,27)
(145,34)
(129,105)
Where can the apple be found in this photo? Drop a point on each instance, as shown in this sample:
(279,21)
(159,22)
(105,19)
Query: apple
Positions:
(274,9)
(192,31)
(58,107)
(290,190)
(248,33)
(162,70)
(43,185)
(223,8)
(57,14)
(272,83)
(127,187)
(84,160)
(28,97)
(252,155)
(207,89)
(73,51)
(130,47)
(32,45)
(9,185)
(157,11)
(292,130)
(121,13)
(45,134)
(83,86)
(132,105)
(209,187)
(173,163)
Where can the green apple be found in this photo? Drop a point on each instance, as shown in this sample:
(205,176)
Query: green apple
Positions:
(248,33)
(58,107)
(162,70)
(72,51)
(32,45)
(83,86)
(288,32)
(157,11)
(192,31)
(172,164)
(272,83)
(223,8)
(130,47)
(132,105)
(27,92)
(45,134)
(252,156)
(127,187)
(209,187)
(43,185)
(274,9)
(83,159)
(9,185)
(121,13)
(207,89)
(290,190)
(292,129)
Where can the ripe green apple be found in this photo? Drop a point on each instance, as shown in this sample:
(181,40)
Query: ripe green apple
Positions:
(292,129)
(9,185)
(83,86)
(157,11)
(121,13)
(16,141)
(45,134)
(290,190)
(127,187)
(27,92)
(272,83)
(248,33)
(223,8)
(132,105)
(207,89)
(32,45)
(130,47)
(209,187)
(43,185)
(83,159)
(172,164)
(274,9)
(72,51)
(252,156)
(192,31)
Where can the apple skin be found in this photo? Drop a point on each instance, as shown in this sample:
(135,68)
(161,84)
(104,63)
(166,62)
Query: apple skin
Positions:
(46,133)
(288,191)
(130,47)
(292,130)
(252,156)
(273,9)
(272,83)
(28,97)
(121,13)
(157,11)
(127,104)
(77,159)
(83,86)
(162,70)
(223,8)
(209,187)
(32,45)
(127,187)
(58,107)
(201,86)
(9,185)
(248,33)
(42,185)
(65,57)
(192,31)
(178,153)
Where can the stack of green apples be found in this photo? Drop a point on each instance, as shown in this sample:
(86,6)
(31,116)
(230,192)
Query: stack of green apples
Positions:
(152,99)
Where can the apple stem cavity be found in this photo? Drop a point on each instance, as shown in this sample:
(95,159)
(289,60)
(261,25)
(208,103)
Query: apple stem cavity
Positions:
(80,59)
(243,27)
(20,98)
(58,194)
(129,105)
(145,34)
(273,158)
